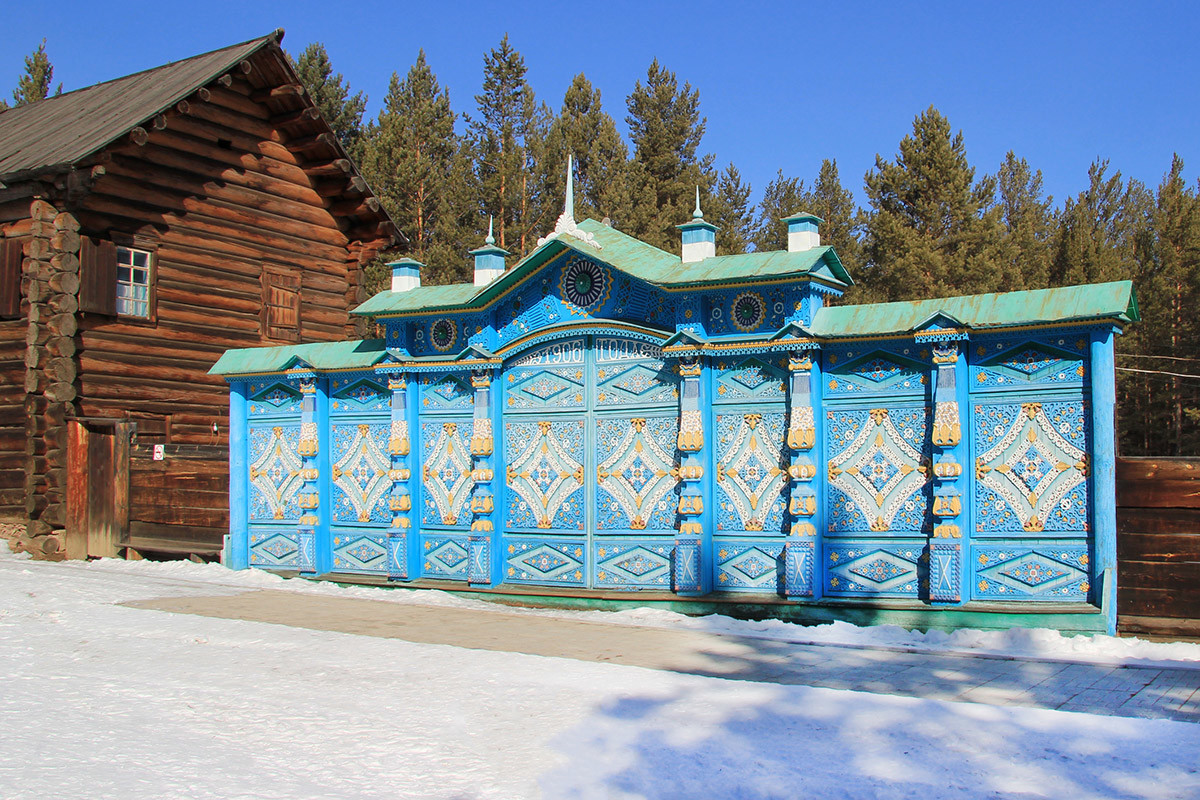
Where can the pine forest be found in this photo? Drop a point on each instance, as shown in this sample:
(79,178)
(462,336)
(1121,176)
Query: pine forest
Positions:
(934,224)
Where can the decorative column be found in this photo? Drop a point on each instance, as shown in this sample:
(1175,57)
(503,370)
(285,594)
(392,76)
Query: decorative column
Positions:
(400,501)
(479,566)
(309,497)
(687,575)
(946,545)
(800,547)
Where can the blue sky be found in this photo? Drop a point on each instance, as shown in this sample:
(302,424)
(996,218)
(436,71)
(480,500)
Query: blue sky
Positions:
(782,85)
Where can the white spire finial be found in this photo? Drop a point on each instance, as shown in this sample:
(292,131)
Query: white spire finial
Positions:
(490,238)
(566,221)
(697,214)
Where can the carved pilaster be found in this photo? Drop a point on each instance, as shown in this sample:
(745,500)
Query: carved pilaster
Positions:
(800,547)
(400,501)
(946,545)
(479,567)
(309,496)
(687,575)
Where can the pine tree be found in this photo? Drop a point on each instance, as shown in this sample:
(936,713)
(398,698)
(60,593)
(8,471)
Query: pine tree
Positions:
(583,130)
(508,139)
(782,198)
(1028,223)
(1102,230)
(842,217)
(932,229)
(665,128)
(732,212)
(414,161)
(342,110)
(34,85)
(1169,288)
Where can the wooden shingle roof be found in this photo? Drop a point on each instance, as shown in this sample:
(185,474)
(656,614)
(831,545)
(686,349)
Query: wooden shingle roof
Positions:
(53,134)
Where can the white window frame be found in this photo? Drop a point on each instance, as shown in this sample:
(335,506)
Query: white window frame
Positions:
(130,301)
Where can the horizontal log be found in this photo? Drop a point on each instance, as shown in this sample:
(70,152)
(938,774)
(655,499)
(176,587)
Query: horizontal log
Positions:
(304,117)
(1156,468)
(1160,575)
(236,101)
(1157,602)
(1166,627)
(345,186)
(287,90)
(238,140)
(323,142)
(93,406)
(188,265)
(210,162)
(336,168)
(1158,547)
(189,482)
(356,207)
(174,515)
(1159,493)
(176,538)
(237,121)
(91,367)
(253,200)
(1157,520)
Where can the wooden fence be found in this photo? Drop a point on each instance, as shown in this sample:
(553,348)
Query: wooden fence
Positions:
(1158,546)
(179,505)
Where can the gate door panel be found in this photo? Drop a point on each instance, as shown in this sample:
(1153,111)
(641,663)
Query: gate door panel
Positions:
(274,466)
(545,460)
(447,403)
(360,420)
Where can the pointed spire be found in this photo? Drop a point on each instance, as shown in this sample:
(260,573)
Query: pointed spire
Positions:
(490,238)
(697,214)
(569,204)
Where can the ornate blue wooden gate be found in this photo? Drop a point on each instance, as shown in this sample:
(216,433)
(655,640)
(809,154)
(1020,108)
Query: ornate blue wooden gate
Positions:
(591,472)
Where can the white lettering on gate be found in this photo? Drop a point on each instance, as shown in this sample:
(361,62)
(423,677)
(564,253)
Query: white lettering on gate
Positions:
(625,350)
(568,352)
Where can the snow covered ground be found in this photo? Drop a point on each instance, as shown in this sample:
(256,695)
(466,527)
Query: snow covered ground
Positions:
(102,701)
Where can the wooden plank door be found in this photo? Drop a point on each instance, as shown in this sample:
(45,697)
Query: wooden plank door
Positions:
(98,488)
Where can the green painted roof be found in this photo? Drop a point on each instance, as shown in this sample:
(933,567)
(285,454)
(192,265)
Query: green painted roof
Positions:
(624,252)
(1114,301)
(319,355)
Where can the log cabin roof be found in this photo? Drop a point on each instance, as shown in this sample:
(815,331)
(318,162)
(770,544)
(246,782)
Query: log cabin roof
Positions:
(59,134)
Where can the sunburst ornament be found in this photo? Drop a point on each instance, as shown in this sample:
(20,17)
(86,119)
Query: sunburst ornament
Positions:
(583,282)
(748,311)
(443,333)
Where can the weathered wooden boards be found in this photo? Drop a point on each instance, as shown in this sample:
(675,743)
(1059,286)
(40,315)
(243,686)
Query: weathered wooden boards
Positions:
(1158,545)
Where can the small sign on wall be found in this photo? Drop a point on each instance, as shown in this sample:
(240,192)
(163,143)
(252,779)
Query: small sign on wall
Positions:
(159,452)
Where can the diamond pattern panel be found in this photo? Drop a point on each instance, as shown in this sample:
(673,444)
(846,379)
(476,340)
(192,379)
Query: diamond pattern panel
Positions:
(446,393)
(358,393)
(544,473)
(360,553)
(1031,467)
(640,383)
(756,378)
(876,372)
(637,478)
(751,475)
(360,473)
(1048,571)
(273,399)
(274,549)
(446,472)
(544,561)
(747,566)
(877,569)
(633,564)
(540,387)
(445,557)
(275,472)
(1014,364)
(878,471)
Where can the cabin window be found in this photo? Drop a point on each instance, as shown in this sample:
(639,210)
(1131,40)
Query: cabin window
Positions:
(281,304)
(133,282)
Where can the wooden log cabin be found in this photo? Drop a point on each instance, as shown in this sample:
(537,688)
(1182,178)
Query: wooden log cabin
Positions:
(147,225)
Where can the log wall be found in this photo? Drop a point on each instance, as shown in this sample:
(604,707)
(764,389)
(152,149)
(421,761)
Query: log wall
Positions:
(15,224)
(179,505)
(1158,546)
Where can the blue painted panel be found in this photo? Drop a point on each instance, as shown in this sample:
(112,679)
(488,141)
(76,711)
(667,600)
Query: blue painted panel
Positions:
(878,470)
(446,472)
(358,392)
(868,369)
(544,473)
(1051,571)
(446,393)
(530,388)
(1031,467)
(875,568)
(751,471)
(272,398)
(553,561)
(361,484)
(444,556)
(636,383)
(630,563)
(636,473)
(748,565)
(360,551)
(274,471)
(757,378)
(277,547)
(751,310)
(1007,364)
